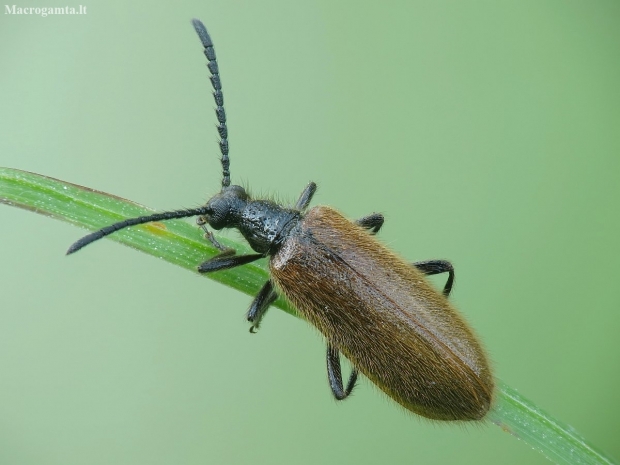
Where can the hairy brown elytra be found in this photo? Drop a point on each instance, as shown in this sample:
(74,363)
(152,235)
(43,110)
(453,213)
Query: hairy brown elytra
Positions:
(370,304)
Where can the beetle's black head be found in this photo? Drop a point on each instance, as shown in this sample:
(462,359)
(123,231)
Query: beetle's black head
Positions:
(224,209)
(262,223)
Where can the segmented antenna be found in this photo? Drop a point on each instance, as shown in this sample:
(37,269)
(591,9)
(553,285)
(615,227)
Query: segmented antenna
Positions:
(103,232)
(209,52)
(184,213)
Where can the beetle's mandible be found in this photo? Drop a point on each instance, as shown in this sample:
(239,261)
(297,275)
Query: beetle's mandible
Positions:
(369,304)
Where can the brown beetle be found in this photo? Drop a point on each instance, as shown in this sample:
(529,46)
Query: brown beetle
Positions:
(370,304)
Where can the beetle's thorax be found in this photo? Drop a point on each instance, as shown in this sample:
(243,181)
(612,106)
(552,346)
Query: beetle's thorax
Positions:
(263,223)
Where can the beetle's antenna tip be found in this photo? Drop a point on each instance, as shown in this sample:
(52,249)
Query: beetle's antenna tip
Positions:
(216,82)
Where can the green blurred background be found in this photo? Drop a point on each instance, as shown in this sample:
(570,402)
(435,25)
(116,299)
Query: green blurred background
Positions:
(488,133)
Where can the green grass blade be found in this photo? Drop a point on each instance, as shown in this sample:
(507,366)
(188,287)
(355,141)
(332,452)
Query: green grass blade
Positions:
(556,441)
(175,241)
(182,244)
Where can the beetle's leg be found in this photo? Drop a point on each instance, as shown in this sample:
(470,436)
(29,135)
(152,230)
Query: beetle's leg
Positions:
(202,221)
(306,197)
(334,374)
(431,267)
(226,260)
(373,222)
(265,297)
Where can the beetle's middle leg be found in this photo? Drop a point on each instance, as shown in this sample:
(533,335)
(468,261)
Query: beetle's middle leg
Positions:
(265,297)
(374,221)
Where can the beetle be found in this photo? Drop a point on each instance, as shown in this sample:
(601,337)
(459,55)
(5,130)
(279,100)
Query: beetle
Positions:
(371,305)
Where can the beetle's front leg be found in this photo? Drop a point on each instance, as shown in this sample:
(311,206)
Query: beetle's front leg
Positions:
(306,197)
(227,257)
(202,222)
(227,260)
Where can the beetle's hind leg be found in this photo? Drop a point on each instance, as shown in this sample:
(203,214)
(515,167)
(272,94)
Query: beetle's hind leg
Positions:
(431,267)
(265,297)
(373,222)
(334,374)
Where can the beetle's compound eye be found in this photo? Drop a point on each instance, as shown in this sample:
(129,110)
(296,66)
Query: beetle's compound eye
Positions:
(225,207)
(218,217)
